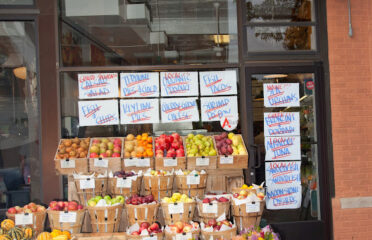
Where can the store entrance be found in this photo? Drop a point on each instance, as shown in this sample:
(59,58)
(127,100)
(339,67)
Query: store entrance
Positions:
(285,111)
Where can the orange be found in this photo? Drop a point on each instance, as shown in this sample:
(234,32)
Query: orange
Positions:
(139,137)
(149,139)
(144,154)
(145,135)
(139,155)
(149,146)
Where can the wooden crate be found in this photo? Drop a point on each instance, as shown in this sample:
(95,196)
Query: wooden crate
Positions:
(203,162)
(238,161)
(128,164)
(100,236)
(224,180)
(168,164)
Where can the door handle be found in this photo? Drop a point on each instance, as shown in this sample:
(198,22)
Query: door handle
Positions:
(257,158)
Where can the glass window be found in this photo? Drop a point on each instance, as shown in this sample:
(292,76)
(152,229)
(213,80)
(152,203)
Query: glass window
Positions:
(152,33)
(16,2)
(19,115)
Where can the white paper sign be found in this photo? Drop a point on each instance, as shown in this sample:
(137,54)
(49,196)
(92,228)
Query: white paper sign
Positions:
(130,162)
(103,163)
(67,217)
(98,85)
(252,207)
(210,208)
(123,182)
(175,208)
(179,110)
(67,163)
(283,148)
(202,161)
(143,162)
(193,179)
(170,162)
(139,85)
(214,108)
(179,84)
(282,124)
(139,111)
(218,83)
(150,238)
(88,183)
(24,219)
(284,197)
(226,159)
(184,236)
(281,95)
(98,113)
(282,173)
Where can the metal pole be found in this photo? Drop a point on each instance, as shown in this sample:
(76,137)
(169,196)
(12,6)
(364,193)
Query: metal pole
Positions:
(350,24)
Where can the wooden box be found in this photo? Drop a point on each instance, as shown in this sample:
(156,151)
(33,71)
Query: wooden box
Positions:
(168,164)
(203,162)
(233,161)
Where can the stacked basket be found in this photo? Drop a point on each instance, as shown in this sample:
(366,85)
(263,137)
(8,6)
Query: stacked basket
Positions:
(158,186)
(192,184)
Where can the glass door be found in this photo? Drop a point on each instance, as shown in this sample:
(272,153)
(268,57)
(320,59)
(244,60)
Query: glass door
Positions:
(285,127)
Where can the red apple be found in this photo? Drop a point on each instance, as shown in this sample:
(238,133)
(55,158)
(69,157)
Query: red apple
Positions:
(173,228)
(179,226)
(175,145)
(61,204)
(72,207)
(154,227)
(117,141)
(223,199)
(206,200)
(176,136)
(117,149)
(187,228)
(212,222)
(135,233)
(116,155)
(80,207)
(235,195)
(180,153)
(145,225)
(12,210)
(18,209)
(40,209)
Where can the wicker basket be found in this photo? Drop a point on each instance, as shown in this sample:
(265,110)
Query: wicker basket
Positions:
(186,216)
(38,221)
(222,208)
(159,236)
(72,227)
(228,234)
(173,236)
(100,188)
(237,190)
(243,218)
(159,194)
(105,219)
(142,213)
(181,182)
(158,186)
(126,192)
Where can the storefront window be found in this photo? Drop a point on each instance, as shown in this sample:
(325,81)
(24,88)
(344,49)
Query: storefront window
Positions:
(152,33)
(16,2)
(19,115)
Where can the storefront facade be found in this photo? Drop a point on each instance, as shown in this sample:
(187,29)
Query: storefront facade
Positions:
(262,45)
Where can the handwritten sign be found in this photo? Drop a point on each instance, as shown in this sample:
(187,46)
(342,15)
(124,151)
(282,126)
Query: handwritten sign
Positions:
(87,183)
(281,173)
(184,236)
(100,85)
(281,95)
(226,159)
(123,182)
(103,163)
(170,162)
(67,217)
(215,108)
(210,208)
(139,111)
(202,161)
(283,148)
(139,85)
(252,207)
(179,84)
(282,124)
(218,83)
(179,110)
(70,163)
(24,219)
(98,113)
(283,197)
(193,179)
(175,208)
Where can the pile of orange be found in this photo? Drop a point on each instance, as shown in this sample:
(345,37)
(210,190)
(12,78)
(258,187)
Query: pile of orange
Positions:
(139,146)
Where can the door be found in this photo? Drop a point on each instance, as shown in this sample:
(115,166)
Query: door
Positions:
(301,127)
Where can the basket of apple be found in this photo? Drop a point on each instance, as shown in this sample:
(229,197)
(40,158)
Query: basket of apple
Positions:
(158,183)
(90,185)
(232,152)
(72,156)
(213,207)
(214,230)
(141,209)
(66,216)
(105,213)
(31,212)
(145,230)
(138,152)
(105,154)
(182,230)
(192,183)
(179,207)
(256,189)
(201,152)
(169,152)
(125,183)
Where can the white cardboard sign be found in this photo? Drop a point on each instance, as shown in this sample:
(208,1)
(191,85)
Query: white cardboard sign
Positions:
(103,163)
(67,217)
(133,85)
(170,162)
(139,111)
(179,84)
(193,180)
(283,148)
(282,173)
(215,108)
(123,182)
(218,83)
(252,207)
(283,197)
(179,110)
(281,95)
(24,219)
(98,85)
(88,183)
(202,161)
(70,163)
(210,208)
(226,159)
(282,124)
(175,208)
(98,113)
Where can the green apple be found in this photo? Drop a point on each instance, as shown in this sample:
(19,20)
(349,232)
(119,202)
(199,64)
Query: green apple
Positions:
(92,203)
(107,197)
(120,199)
(97,198)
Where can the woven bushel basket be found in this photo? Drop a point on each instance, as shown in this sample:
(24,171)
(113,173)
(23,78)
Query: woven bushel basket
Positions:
(159,236)
(228,234)
(244,219)
(105,219)
(38,220)
(222,208)
(158,186)
(173,236)
(100,189)
(186,216)
(71,227)
(142,213)
(126,192)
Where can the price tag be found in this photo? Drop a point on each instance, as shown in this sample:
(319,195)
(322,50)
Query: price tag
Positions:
(150,238)
(170,162)
(87,183)
(67,217)
(209,208)
(23,219)
(124,183)
(193,179)
(130,162)
(184,236)
(252,207)
(226,160)
(145,162)
(103,163)
(67,163)
(175,208)
(202,161)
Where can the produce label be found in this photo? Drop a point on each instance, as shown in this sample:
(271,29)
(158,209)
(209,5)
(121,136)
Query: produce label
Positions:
(282,173)
(123,182)
(284,197)
(100,85)
(67,163)
(150,238)
(179,84)
(98,113)
(184,236)
(67,217)
(179,110)
(24,219)
(193,179)
(252,207)
(87,183)
(139,85)
(139,111)
(170,162)
(282,124)
(103,163)
(281,95)
(202,161)
(215,108)
(210,208)
(175,208)
(143,162)
(130,162)
(283,148)
(218,83)
(226,160)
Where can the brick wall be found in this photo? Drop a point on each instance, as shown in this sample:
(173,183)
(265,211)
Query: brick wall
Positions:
(350,61)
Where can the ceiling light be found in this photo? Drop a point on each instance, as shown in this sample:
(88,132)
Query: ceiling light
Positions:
(221,39)
(273,76)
